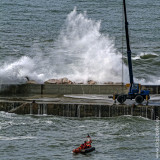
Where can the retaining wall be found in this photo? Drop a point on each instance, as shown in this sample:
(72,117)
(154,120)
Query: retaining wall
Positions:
(80,110)
(61,89)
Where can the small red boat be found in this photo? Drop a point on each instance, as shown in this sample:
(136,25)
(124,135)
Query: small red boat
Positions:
(86,150)
(85,147)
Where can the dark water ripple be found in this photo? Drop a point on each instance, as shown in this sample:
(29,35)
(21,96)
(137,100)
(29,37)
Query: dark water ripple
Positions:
(50,137)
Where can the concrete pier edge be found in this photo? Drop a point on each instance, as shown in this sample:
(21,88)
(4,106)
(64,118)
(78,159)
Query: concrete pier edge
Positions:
(70,109)
(80,110)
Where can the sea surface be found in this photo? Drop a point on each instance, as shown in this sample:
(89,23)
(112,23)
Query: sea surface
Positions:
(78,39)
(53,138)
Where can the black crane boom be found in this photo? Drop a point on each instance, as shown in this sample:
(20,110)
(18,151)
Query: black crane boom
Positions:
(128,45)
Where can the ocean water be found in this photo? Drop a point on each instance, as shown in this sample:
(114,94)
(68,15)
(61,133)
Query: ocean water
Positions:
(80,40)
(52,138)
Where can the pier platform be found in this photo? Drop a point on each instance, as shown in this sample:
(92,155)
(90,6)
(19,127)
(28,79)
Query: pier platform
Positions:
(79,105)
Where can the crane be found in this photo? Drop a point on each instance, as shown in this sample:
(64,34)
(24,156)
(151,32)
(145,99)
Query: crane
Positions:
(135,91)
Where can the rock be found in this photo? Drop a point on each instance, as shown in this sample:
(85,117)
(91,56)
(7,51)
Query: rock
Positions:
(58,81)
(66,81)
(52,81)
(70,82)
(119,83)
(108,83)
(31,82)
(91,82)
(80,83)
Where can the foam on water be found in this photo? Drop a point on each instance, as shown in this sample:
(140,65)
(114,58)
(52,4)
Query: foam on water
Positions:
(145,56)
(152,80)
(17,71)
(6,115)
(16,138)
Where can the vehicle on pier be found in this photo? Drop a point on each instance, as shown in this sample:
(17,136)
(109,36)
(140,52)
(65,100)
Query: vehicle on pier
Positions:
(135,91)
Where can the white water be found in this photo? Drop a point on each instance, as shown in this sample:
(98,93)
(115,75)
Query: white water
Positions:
(142,55)
(81,53)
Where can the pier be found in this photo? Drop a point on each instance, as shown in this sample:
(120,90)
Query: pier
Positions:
(77,106)
(74,100)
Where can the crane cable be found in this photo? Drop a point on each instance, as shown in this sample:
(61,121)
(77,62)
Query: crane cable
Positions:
(122,44)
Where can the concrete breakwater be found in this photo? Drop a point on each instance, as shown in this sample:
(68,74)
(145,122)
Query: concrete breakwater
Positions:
(80,110)
(61,89)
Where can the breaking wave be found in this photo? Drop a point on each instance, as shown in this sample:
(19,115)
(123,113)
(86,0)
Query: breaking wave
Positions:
(80,53)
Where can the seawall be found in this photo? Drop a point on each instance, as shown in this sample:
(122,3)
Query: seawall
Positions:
(12,100)
(80,110)
(61,89)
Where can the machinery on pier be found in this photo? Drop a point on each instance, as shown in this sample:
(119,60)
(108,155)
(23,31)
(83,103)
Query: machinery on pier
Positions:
(135,91)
